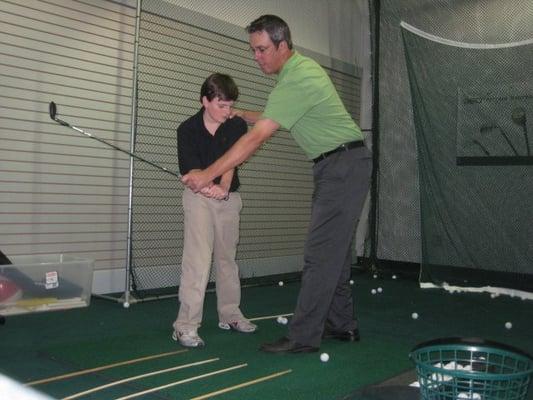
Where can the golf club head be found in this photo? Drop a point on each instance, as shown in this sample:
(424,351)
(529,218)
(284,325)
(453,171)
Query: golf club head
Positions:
(519,116)
(52,109)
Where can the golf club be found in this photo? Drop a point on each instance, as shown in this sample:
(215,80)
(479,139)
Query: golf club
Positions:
(489,129)
(483,149)
(519,117)
(52,108)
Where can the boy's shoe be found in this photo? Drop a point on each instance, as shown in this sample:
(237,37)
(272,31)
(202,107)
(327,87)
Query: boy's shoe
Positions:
(241,325)
(188,338)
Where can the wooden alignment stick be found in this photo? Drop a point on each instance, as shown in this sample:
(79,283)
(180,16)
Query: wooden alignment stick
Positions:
(194,378)
(133,378)
(270,317)
(241,385)
(103,367)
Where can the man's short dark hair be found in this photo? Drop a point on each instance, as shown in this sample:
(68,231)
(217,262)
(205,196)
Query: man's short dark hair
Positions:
(221,86)
(277,29)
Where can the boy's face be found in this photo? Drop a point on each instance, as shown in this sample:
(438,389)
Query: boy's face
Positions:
(216,110)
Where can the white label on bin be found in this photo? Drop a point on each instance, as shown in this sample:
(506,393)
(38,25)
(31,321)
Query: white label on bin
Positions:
(51,280)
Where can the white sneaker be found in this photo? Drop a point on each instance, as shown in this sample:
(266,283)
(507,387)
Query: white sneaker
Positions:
(188,338)
(241,325)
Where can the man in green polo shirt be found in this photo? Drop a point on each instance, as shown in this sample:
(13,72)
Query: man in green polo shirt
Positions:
(305,102)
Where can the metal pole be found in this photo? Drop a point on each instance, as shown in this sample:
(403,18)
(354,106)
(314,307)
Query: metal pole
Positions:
(126,298)
(374,191)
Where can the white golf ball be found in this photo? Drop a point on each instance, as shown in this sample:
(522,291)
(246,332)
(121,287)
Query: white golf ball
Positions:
(126,305)
(380,290)
(373,291)
(324,357)
(375,276)
(414,315)
(282,320)
(351,282)
(393,276)
(280,283)
(508,325)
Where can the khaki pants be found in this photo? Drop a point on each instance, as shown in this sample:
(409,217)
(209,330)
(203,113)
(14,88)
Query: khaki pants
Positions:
(211,234)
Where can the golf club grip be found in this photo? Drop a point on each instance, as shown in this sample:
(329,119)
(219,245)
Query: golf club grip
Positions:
(52,109)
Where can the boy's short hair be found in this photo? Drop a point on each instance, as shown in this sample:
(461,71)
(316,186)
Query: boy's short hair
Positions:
(221,86)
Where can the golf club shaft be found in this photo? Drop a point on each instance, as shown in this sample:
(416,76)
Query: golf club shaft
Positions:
(64,123)
(52,109)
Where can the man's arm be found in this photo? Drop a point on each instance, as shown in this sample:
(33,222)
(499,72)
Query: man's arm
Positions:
(250,117)
(219,191)
(237,154)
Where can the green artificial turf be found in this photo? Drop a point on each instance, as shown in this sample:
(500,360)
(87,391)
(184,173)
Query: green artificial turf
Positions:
(41,345)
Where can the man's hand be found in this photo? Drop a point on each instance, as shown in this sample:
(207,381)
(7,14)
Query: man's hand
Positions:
(196,180)
(249,116)
(236,113)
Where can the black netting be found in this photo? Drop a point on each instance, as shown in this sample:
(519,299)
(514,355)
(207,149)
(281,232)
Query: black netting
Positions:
(473,113)
(473,21)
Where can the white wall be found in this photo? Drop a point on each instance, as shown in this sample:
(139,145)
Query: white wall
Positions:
(61,192)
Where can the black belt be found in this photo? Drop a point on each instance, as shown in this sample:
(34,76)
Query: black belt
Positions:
(342,147)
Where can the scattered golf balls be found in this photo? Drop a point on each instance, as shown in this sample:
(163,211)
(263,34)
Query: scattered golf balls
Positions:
(280,283)
(324,357)
(508,325)
(469,395)
(282,320)
(126,304)
(351,282)
(380,290)
(373,291)
(414,315)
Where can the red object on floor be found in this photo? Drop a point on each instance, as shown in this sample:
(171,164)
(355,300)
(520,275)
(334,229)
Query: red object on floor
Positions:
(9,291)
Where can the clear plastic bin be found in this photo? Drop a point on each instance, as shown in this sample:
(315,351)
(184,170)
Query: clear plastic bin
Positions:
(45,283)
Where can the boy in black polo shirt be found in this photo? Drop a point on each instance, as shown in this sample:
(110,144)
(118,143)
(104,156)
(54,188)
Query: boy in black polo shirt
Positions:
(211,216)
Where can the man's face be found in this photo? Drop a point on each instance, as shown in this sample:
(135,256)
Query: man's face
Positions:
(217,110)
(266,55)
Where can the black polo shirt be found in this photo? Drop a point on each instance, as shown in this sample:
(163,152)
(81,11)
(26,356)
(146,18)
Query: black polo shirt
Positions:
(198,149)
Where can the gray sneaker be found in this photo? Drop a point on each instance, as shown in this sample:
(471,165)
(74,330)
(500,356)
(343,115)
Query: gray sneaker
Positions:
(188,338)
(241,325)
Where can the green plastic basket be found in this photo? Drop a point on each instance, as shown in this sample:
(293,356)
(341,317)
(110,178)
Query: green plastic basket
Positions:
(475,369)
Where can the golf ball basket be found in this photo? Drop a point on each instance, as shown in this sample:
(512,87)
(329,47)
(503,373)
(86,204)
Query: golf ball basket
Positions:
(476,369)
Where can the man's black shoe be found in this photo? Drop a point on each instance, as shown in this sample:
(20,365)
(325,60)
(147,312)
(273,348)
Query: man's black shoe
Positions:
(345,336)
(286,345)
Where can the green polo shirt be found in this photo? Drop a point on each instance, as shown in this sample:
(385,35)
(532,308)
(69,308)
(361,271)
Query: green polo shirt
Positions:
(305,102)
